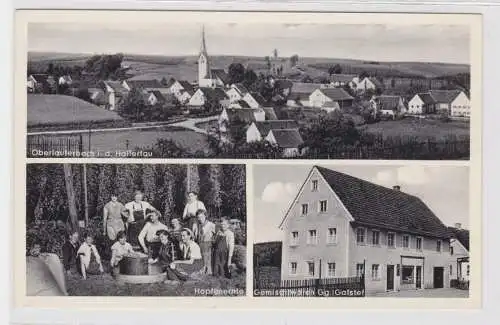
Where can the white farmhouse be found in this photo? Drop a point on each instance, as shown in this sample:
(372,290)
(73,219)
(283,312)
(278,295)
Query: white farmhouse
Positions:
(449,102)
(288,140)
(259,130)
(320,97)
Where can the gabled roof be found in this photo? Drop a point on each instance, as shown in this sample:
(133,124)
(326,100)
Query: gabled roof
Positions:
(388,102)
(378,206)
(245,115)
(298,96)
(159,96)
(462,235)
(143,84)
(270,113)
(242,103)
(241,89)
(265,126)
(303,87)
(258,98)
(426,98)
(287,138)
(344,78)
(116,86)
(444,96)
(336,94)
(221,74)
(217,94)
(186,85)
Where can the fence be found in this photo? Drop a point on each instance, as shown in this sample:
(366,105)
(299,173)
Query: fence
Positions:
(39,146)
(267,283)
(459,284)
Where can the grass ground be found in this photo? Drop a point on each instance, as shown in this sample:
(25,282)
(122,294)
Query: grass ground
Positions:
(422,128)
(106,285)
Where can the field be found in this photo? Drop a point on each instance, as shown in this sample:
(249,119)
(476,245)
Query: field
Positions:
(184,67)
(132,139)
(51,110)
(421,128)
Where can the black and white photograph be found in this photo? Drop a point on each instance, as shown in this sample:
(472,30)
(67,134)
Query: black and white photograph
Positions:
(361,231)
(135,230)
(211,89)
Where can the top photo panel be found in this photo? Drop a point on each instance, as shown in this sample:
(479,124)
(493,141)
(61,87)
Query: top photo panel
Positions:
(364,86)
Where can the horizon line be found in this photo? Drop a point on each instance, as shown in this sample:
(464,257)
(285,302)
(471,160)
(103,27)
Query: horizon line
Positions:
(243,56)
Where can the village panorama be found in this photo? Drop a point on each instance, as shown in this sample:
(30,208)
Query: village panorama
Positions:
(216,106)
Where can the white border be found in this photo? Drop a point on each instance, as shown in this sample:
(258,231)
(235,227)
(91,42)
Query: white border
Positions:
(490,158)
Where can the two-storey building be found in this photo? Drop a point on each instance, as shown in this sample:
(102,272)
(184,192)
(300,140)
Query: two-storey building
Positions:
(342,226)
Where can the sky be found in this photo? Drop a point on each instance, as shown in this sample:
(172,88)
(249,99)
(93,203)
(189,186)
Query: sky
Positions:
(445,190)
(423,43)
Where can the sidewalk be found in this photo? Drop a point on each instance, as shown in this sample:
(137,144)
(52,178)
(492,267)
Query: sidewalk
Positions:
(426,293)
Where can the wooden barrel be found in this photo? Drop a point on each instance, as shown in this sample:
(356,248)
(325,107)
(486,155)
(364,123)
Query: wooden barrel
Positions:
(134,265)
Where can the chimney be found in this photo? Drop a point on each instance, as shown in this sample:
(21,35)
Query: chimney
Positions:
(458,225)
(396,188)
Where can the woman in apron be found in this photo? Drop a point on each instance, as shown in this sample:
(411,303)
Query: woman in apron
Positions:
(113,218)
(223,250)
(189,215)
(136,217)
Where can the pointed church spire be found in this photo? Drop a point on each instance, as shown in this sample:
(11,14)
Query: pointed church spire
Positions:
(203,45)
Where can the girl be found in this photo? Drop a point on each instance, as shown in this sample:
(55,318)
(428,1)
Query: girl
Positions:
(90,260)
(191,261)
(148,239)
(223,250)
(189,214)
(120,249)
(113,218)
(136,216)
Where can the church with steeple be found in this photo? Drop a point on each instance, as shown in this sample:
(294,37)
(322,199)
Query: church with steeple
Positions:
(207,76)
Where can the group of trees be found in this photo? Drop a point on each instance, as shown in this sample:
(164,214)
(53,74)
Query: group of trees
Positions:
(220,187)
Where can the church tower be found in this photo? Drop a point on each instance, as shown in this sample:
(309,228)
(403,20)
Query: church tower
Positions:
(204,77)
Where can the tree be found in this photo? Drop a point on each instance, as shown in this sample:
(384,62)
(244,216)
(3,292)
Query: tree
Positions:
(336,69)
(268,62)
(149,181)
(236,72)
(50,68)
(134,105)
(192,179)
(363,75)
(164,81)
(83,94)
(275,53)
(250,78)
(167,148)
(294,59)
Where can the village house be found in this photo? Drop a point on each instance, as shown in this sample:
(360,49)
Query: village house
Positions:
(342,226)
(367,83)
(254,100)
(208,95)
(449,102)
(40,83)
(155,97)
(98,97)
(247,116)
(320,97)
(208,77)
(342,80)
(65,80)
(258,131)
(143,85)
(459,250)
(114,92)
(388,105)
(236,92)
(288,140)
(182,90)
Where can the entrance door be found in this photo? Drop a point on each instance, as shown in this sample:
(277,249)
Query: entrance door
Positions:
(438,277)
(419,277)
(390,277)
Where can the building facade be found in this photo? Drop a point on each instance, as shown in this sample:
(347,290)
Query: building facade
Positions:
(341,226)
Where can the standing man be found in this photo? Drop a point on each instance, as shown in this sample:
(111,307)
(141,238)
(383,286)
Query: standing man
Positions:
(113,218)
(223,250)
(205,238)
(69,249)
(136,212)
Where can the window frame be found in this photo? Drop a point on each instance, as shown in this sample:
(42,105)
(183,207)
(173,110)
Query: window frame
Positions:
(334,269)
(421,243)
(393,239)
(328,236)
(290,268)
(309,237)
(320,210)
(306,205)
(314,185)
(377,268)
(309,263)
(364,236)
(403,241)
(439,246)
(378,237)
(292,242)
(360,270)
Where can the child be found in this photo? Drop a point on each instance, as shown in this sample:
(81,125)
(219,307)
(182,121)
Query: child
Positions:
(120,249)
(223,250)
(90,260)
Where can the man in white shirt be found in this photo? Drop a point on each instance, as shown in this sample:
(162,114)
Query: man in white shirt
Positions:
(136,217)
(205,238)
(148,239)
